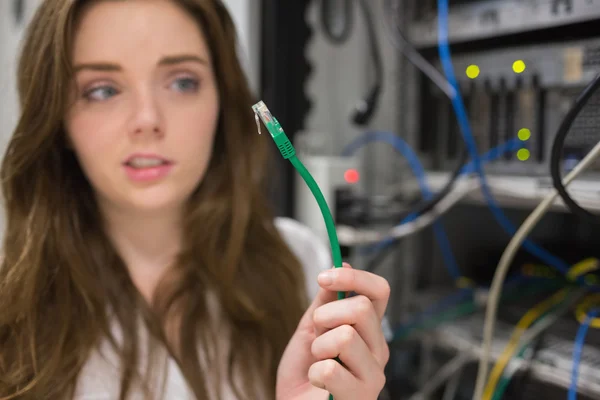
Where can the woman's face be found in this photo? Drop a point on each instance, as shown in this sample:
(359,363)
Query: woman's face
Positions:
(147,105)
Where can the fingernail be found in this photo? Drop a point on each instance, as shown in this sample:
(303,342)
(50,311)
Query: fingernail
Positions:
(326,278)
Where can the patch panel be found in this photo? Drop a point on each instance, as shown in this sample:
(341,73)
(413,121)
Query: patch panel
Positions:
(471,20)
(503,104)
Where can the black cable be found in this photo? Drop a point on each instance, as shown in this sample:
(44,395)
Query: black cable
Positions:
(425,206)
(366,107)
(421,208)
(342,11)
(328,19)
(378,258)
(415,58)
(557,149)
(391,10)
(519,382)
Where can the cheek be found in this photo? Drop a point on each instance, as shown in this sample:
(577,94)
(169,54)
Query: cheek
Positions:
(196,144)
(89,140)
(198,157)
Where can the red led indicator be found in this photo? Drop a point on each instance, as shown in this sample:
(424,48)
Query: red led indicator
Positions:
(351,176)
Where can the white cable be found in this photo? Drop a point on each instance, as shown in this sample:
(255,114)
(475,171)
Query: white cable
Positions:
(452,386)
(414,57)
(550,319)
(504,265)
(466,186)
(447,371)
(532,333)
(350,236)
(587,200)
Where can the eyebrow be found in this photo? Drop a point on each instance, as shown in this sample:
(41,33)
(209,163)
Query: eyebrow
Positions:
(178,59)
(165,61)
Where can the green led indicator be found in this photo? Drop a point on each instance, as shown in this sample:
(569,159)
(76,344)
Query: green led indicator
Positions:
(472,71)
(518,66)
(523,154)
(524,134)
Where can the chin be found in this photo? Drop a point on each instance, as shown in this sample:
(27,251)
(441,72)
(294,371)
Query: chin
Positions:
(157,199)
(156,203)
(150,200)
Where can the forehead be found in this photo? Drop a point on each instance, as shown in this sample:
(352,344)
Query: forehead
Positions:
(136,30)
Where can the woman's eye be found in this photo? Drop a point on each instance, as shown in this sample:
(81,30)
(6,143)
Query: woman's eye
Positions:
(186,84)
(100,93)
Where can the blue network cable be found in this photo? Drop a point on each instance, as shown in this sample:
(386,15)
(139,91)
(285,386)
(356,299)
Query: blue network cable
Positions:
(510,146)
(577,348)
(417,168)
(465,128)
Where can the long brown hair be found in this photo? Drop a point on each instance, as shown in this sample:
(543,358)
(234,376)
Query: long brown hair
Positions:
(62,284)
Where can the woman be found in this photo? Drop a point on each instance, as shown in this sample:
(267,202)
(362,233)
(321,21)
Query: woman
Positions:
(141,260)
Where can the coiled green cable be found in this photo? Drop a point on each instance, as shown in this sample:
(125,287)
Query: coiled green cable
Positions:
(288,152)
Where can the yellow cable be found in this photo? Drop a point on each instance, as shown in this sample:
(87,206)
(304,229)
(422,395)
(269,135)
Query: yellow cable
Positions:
(464,283)
(583,309)
(581,268)
(524,323)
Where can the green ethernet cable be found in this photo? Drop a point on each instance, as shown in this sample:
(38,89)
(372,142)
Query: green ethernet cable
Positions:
(289,153)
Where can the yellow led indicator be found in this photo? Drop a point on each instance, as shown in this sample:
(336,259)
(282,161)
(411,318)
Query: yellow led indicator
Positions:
(523,154)
(472,71)
(524,134)
(519,66)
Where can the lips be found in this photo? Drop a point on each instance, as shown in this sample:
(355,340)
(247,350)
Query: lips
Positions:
(147,168)
(140,161)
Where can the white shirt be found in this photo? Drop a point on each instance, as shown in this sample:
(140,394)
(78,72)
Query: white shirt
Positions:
(100,378)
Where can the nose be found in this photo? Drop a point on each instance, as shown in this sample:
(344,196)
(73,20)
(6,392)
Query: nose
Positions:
(146,118)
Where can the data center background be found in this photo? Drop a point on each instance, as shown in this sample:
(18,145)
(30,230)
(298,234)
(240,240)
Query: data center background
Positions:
(559,44)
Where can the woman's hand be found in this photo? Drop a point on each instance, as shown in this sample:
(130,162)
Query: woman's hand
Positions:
(349,329)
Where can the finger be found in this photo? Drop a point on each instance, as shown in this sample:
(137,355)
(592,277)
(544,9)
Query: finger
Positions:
(373,286)
(323,296)
(345,342)
(358,312)
(333,377)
